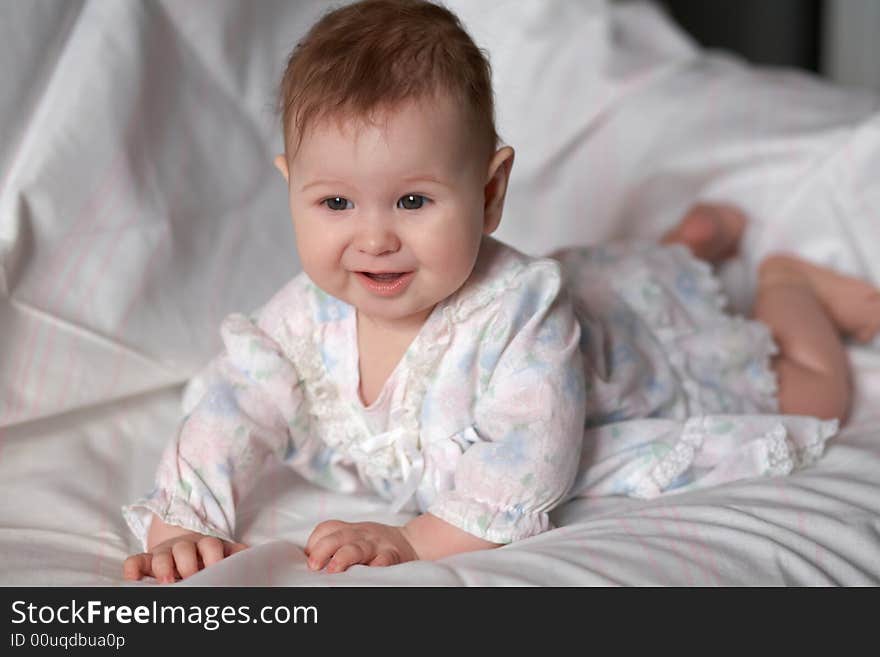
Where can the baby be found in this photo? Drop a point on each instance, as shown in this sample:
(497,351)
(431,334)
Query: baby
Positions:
(420,359)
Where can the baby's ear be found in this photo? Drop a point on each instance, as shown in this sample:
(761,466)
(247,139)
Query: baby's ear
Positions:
(496,188)
(281,165)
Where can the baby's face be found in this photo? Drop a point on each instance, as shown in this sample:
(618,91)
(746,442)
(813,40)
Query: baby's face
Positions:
(389,218)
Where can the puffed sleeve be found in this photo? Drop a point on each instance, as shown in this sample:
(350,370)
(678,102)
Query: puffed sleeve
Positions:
(529,419)
(244,410)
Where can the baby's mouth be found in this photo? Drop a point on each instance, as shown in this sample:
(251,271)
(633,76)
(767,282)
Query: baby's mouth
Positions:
(386,283)
(384,276)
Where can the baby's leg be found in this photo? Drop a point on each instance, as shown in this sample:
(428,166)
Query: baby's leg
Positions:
(711,231)
(807,307)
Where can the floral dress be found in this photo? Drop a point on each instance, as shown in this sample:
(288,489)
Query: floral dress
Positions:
(603,370)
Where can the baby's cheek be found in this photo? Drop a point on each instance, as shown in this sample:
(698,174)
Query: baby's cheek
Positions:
(320,262)
(452,257)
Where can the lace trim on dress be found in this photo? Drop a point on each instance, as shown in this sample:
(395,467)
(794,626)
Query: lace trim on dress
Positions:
(172,510)
(779,453)
(396,454)
(488,521)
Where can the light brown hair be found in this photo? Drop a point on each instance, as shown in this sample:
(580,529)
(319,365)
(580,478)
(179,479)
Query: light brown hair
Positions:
(374,55)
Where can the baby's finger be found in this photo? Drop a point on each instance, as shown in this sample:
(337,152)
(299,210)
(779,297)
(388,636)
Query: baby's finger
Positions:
(137,565)
(163,567)
(211,550)
(385,558)
(325,548)
(322,530)
(185,558)
(351,554)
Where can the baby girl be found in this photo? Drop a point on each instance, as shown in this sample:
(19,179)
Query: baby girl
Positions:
(478,388)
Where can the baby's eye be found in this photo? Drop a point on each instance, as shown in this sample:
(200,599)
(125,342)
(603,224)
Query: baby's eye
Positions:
(411,202)
(338,203)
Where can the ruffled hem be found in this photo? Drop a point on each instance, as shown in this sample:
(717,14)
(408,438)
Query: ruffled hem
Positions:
(778,451)
(493,524)
(139,516)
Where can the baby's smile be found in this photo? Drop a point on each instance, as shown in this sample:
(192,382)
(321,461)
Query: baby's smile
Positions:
(389,215)
(385,284)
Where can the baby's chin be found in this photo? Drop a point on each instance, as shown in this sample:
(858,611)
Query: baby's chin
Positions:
(405,311)
(402,314)
(408,310)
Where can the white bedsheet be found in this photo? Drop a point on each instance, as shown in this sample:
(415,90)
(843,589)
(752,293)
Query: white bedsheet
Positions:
(138,206)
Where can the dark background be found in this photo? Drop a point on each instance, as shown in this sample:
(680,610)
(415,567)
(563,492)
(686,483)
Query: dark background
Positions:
(774,32)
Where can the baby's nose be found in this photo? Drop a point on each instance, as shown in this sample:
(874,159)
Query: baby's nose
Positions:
(378,238)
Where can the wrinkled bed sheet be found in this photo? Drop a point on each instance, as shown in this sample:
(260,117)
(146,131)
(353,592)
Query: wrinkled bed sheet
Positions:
(138,206)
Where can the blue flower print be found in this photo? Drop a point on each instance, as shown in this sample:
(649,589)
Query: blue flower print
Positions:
(466,361)
(514,514)
(220,400)
(683,479)
(330,309)
(330,361)
(653,385)
(573,385)
(528,301)
(511,450)
(425,418)
(622,354)
(490,356)
(686,285)
(551,332)
(320,462)
(226,468)
(623,321)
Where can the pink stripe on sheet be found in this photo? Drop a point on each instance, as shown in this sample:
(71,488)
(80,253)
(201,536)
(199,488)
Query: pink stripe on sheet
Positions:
(782,490)
(645,548)
(72,277)
(161,245)
(186,167)
(66,261)
(702,556)
(26,357)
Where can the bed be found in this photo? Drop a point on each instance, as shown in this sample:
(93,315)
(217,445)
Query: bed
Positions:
(139,206)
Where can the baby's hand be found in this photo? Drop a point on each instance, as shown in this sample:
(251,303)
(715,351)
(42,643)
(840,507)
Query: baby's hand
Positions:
(338,545)
(178,557)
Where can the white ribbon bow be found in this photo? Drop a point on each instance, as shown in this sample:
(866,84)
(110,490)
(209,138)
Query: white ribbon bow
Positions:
(385,454)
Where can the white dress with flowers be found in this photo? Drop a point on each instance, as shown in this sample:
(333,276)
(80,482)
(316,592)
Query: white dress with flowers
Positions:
(605,370)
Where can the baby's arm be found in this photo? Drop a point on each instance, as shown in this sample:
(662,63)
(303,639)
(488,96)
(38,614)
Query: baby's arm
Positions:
(338,545)
(433,538)
(240,423)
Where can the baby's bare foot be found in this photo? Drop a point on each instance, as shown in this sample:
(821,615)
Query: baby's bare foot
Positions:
(711,231)
(852,304)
